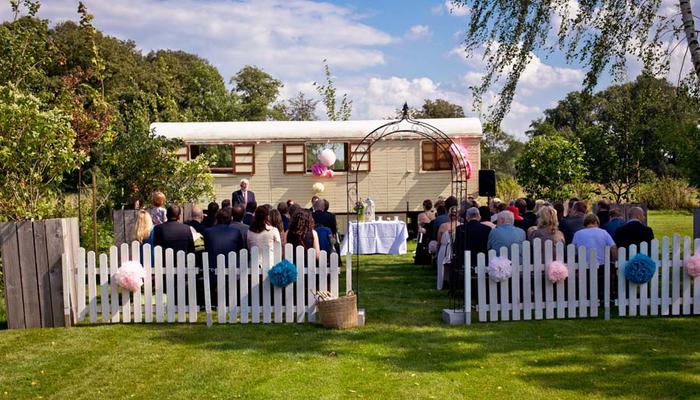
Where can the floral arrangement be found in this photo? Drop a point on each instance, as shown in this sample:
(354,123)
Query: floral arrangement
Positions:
(557,272)
(692,266)
(360,210)
(283,273)
(318,188)
(130,276)
(500,269)
(640,269)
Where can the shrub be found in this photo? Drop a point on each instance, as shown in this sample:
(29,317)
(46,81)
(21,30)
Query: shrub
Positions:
(667,193)
(507,188)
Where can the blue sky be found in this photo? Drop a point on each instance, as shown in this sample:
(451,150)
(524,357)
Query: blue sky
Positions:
(381,53)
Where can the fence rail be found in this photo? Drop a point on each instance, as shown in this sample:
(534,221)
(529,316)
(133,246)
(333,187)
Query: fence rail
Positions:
(238,286)
(589,288)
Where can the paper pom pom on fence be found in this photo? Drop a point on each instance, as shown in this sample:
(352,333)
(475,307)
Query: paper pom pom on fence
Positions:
(318,169)
(692,266)
(318,188)
(283,273)
(130,276)
(557,271)
(499,269)
(327,157)
(640,269)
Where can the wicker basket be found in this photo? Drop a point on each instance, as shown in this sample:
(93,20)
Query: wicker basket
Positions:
(338,313)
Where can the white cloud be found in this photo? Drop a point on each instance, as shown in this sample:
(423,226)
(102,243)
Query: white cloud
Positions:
(418,32)
(456,10)
(286,38)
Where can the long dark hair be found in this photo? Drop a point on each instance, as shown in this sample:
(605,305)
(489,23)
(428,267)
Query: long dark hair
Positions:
(261,219)
(276,220)
(302,223)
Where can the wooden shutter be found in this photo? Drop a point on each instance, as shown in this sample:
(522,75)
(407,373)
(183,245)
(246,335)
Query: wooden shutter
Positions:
(433,157)
(183,153)
(294,158)
(244,159)
(360,157)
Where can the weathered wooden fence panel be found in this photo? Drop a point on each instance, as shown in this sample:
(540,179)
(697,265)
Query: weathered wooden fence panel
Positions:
(33,276)
(125,223)
(242,287)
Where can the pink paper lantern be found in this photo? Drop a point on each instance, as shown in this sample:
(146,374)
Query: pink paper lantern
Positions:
(130,276)
(327,157)
(459,158)
(318,169)
(692,265)
(557,272)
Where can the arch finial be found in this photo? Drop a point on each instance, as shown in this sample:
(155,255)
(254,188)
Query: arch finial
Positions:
(405,111)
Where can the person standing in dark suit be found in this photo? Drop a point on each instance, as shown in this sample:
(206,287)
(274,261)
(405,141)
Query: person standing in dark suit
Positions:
(472,236)
(324,218)
(237,214)
(243,196)
(249,211)
(634,231)
(173,234)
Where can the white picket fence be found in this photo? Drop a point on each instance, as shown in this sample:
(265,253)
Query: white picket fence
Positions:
(169,292)
(528,294)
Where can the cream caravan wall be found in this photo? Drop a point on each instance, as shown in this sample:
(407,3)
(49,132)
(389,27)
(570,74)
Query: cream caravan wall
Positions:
(395,178)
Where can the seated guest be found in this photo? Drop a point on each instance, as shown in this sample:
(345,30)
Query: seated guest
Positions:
(290,202)
(210,217)
(539,203)
(144,228)
(244,195)
(516,215)
(485,214)
(528,218)
(505,234)
(634,231)
(283,209)
(173,234)
(473,236)
(547,227)
(222,237)
(559,206)
(276,221)
(158,213)
(615,222)
(322,217)
(592,237)
(325,242)
(196,221)
(225,203)
(262,233)
(249,212)
(442,218)
(426,216)
(293,209)
(603,212)
(440,211)
(237,214)
(301,232)
(574,222)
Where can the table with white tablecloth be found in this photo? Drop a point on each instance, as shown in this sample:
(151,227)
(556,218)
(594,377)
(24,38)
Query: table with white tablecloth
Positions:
(376,237)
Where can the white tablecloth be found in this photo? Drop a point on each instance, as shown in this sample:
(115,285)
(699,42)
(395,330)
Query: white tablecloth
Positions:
(378,237)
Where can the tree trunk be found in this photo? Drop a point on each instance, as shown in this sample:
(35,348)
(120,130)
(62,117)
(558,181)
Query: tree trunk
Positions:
(690,34)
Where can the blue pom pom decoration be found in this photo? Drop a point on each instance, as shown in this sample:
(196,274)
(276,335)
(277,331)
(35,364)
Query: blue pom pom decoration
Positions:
(283,273)
(640,269)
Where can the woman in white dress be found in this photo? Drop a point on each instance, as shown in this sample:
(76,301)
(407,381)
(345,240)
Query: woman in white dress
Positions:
(262,234)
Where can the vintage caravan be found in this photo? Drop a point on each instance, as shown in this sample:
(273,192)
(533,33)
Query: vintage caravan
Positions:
(398,172)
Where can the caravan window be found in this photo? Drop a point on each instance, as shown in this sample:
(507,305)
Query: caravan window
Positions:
(221,155)
(313,150)
(434,157)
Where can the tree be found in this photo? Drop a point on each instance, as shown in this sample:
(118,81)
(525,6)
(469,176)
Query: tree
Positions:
(549,166)
(335,110)
(440,108)
(257,91)
(36,149)
(301,108)
(601,35)
(499,150)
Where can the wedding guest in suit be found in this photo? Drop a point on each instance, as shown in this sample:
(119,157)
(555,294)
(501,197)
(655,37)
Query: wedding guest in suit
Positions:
(528,218)
(314,199)
(250,208)
(322,217)
(634,231)
(237,214)
(173,234)
(472,236)
(222,237)
(603,212)
(196,221)
(573,222)
(210,218)
(225,203)
(244,195)
(157,211)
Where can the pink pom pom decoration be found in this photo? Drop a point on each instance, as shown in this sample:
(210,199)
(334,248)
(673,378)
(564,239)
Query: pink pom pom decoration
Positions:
(130,276)
(499,269)
(557,272)
(327,157)
(459,157)
(318,169)
(329,173)
(692,265)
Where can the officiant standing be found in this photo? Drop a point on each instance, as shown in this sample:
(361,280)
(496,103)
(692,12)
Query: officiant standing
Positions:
(243,196)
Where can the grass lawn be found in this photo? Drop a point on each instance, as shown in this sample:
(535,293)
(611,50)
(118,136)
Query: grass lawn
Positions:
(668,222)
(403,352)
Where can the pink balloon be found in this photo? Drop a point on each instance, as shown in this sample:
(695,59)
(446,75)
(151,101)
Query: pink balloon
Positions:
(327,157)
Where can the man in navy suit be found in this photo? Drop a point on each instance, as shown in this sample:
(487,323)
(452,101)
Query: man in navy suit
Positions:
(324,218)
(222,237)
(173,234)
(243,196)
(634,231)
